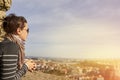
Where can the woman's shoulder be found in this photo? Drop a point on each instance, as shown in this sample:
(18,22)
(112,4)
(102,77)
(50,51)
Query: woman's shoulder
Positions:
(7,44)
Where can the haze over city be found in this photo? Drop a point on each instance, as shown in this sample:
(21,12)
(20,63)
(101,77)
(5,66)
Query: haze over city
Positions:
(71,28)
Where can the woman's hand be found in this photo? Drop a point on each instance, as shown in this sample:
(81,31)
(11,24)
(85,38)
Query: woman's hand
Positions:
(31,65)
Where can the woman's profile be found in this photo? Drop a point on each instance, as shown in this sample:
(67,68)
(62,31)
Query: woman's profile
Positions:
(12,64)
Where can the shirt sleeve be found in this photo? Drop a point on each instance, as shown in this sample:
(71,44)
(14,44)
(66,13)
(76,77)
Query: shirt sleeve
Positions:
(21,72)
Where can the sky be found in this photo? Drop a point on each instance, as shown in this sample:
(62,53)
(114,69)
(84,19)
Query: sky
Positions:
(71,28)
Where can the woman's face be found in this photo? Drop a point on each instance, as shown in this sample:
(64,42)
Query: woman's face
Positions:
(24,32)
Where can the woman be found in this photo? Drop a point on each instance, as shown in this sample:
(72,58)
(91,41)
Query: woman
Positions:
(12,64)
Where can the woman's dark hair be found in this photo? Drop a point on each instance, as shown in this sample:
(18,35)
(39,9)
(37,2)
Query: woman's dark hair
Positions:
(12,22)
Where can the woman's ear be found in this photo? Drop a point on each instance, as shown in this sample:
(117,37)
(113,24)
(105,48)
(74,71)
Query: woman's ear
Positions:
(18,31)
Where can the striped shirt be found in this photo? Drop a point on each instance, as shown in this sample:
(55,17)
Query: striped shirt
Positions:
(8,61)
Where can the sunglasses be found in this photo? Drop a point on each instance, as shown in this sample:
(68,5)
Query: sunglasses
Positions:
(27,30)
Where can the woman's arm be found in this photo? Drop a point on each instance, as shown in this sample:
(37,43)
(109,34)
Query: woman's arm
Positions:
(21,72)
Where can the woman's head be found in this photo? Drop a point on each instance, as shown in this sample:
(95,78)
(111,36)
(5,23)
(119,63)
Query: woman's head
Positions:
(16,25)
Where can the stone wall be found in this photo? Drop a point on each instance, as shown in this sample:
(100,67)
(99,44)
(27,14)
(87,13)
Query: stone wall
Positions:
(4,7)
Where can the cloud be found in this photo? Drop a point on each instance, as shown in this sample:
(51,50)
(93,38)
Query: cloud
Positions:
(66,11)
(68,28)
(86,40)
